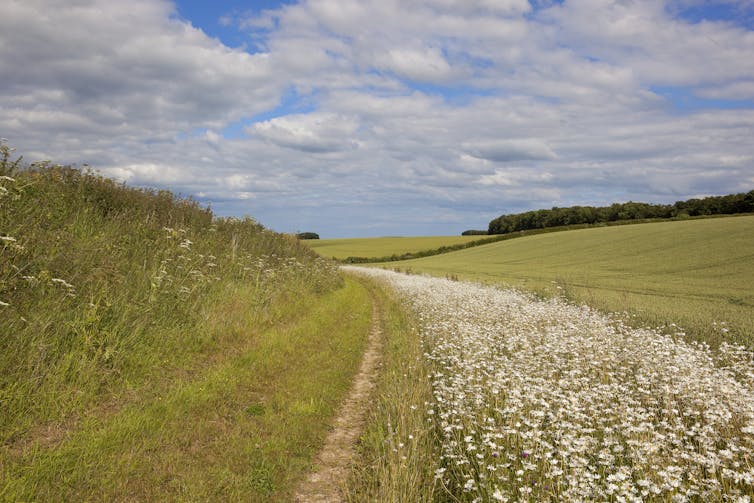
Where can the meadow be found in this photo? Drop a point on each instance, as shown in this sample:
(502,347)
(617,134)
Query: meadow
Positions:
(385,246)
(694,273)
(535,396)
(150,351)
(542,400)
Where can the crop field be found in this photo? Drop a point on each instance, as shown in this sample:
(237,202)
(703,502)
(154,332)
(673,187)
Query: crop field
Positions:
(542,400)
(697,273)
(383,247)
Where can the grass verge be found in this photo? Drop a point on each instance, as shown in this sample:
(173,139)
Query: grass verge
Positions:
(244,428)
(398,451)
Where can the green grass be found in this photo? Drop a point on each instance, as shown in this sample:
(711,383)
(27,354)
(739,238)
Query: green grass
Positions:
(694,273)
(152,352)
(398,450)
(243,429)
(383,247)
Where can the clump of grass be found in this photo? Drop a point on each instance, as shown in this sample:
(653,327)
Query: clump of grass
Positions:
(114,298)
(243,429)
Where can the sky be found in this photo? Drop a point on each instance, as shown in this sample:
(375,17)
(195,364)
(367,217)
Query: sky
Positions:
(354,118)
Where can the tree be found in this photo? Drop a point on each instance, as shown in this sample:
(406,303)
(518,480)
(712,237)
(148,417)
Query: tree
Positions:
(307,235)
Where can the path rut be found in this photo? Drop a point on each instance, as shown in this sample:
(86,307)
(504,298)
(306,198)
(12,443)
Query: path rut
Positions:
(332,466)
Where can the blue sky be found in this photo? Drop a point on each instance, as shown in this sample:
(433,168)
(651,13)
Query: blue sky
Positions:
(352,118)
(212,17)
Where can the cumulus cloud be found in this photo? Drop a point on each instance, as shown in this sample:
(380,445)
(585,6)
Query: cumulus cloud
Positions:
(313,133)
(352,117)
(99,68)
(420,65)
(510,150)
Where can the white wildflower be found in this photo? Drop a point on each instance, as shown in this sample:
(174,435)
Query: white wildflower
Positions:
(568,398)
(498,496)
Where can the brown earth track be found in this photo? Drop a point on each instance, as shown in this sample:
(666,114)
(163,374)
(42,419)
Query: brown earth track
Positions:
(333,464)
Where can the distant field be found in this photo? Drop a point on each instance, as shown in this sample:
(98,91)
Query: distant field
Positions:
(383,247)
(694,273)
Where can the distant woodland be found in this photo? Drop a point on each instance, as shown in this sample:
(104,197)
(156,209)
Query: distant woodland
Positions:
(575,215)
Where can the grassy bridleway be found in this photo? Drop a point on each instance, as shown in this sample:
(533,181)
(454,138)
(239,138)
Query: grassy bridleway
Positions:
(334,462)
(244,425)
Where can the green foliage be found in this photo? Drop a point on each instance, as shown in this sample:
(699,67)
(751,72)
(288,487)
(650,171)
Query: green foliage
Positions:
(245,428)
(473,232)
(578,215)
(307,235)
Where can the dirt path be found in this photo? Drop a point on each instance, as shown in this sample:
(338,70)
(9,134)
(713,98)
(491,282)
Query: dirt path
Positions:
(332,466)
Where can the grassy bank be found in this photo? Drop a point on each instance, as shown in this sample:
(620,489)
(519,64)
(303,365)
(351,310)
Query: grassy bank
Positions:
(151,351)
(696,273)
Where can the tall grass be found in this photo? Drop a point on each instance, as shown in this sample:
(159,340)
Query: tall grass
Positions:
(113,298)
(399,449)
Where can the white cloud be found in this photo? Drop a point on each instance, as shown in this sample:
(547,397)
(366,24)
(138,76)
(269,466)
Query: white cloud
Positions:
(148,173)
(741,90)
(123,68)
(472,6)
(465,109)
(427,65)
(510,150)
(313,133)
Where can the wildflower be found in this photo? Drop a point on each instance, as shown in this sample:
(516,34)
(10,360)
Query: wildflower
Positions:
(605,403)
(62,283)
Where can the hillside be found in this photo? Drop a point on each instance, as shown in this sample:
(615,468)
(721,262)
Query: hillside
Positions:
(371,248)
(150,350)
(697,273)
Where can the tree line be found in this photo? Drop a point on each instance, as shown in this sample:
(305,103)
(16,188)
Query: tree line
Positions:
(578,215)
